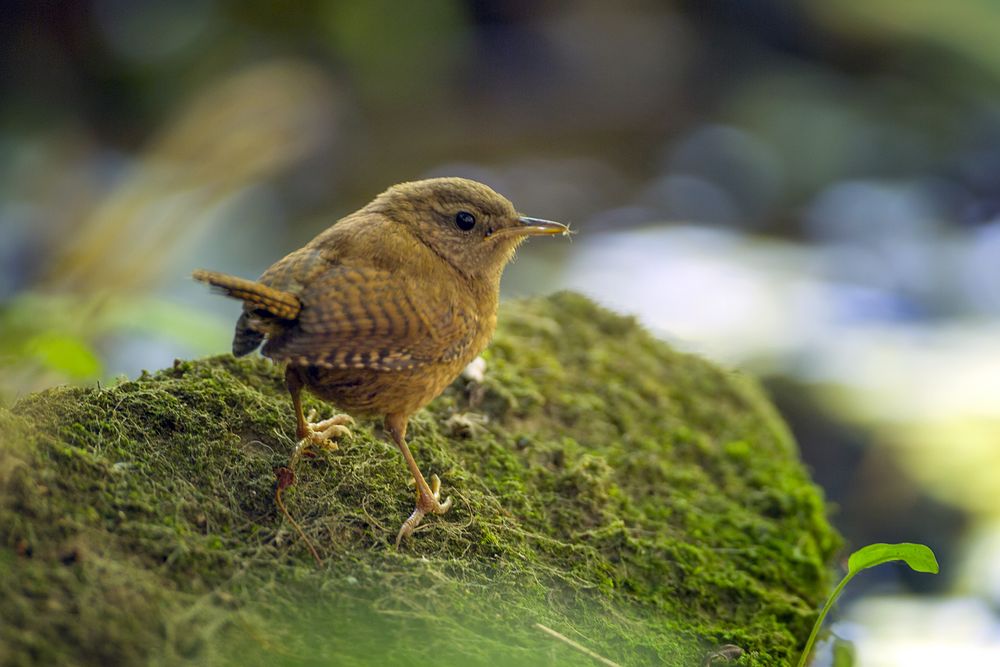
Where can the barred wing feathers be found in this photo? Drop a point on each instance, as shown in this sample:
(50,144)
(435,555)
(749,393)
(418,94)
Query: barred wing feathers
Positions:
(369,318)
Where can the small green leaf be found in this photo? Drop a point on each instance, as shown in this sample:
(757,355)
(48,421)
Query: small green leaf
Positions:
(844,654)
(917,556)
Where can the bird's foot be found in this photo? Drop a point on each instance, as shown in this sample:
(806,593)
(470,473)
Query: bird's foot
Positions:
(426,504)
(321,435)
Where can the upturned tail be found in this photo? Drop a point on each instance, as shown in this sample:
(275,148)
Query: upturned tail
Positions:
(256,296)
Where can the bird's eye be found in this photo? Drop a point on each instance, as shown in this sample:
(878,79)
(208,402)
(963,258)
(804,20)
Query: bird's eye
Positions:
(465,220)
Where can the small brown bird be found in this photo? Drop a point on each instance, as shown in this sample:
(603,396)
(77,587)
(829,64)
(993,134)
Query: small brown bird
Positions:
(383,310)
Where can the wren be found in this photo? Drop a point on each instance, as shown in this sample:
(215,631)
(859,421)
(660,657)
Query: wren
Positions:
(381,311)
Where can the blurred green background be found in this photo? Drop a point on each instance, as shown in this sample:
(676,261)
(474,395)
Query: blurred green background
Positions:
(807,190)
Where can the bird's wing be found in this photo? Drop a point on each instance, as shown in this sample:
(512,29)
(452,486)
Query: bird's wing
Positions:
(274,304)
(296,270)
(361,317)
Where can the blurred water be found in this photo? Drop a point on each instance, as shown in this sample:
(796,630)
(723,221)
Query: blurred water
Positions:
(907,631)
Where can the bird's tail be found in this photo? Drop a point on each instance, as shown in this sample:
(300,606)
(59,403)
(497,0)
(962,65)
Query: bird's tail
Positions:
(255,295)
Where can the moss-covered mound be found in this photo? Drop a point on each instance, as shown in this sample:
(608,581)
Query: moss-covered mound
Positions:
(642,502)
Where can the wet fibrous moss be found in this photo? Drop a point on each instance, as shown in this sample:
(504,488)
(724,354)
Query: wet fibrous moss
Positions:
(645,503)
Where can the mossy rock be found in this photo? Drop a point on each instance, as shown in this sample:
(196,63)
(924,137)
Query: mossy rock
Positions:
(642,502)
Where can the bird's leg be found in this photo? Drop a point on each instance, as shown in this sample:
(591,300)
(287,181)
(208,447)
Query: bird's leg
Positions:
(427,495)
(313,434)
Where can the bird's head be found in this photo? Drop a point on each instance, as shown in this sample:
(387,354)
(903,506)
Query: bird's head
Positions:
(464,222)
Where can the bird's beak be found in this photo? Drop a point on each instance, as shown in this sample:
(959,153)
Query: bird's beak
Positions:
(538,227)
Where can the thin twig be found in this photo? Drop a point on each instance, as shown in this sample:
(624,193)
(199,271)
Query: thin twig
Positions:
(282,483)
(579,647)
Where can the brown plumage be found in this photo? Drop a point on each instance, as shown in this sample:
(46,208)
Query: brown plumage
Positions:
(383,310)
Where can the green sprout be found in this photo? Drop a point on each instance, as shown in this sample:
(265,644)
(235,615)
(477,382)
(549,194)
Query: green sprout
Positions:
(918,556)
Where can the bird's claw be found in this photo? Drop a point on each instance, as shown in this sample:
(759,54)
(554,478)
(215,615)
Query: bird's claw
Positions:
(435,506)
(426,504)
(321,435)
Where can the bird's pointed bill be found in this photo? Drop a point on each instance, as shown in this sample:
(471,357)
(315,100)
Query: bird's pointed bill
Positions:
(539,227)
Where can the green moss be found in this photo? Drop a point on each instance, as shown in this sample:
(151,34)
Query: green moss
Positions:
(643,502)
